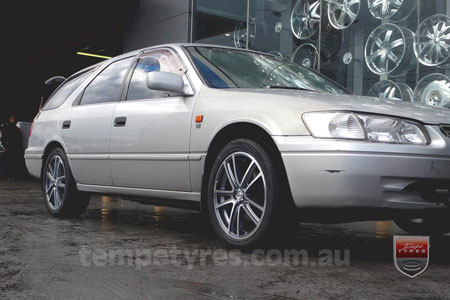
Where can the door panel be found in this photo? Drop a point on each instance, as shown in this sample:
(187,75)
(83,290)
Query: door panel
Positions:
(87,142)
(86,128)
(151,150)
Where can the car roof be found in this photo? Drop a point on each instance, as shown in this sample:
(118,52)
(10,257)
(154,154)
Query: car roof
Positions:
(172,45)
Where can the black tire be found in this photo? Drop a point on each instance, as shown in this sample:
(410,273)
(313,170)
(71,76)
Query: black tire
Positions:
(435,224)
(73,202)
(275,213)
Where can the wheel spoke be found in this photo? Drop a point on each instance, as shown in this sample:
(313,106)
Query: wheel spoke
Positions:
(61,185)
(232,219)
(252,182)
(56,197)
(378,42)
(230,174)
(396,43)
(251,168)
(227,202)
(51,169)
(236,178)
(55,167)
(254,204)
(49,187)
(50,176)
(52,194)
(351,15)
(224,192)
(238,218)
(252,216)
(375,54)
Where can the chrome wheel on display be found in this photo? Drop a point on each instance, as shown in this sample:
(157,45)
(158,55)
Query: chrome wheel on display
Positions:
(394,10)
(342,13)
(433,90)
(240,195)
(389,50)
(305,18)
(55,183)
(306,55)
(240,34)
(388,89)
(432,41)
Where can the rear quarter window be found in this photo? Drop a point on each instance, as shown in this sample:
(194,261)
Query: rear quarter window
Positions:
(64,91)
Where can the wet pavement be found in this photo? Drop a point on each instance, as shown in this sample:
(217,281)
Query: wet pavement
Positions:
(125,250)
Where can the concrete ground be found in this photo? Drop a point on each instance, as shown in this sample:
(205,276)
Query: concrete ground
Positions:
(124,250)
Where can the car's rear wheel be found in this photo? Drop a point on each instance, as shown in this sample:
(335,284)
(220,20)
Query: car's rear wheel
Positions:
(244,194)
(61,196)
(434,224)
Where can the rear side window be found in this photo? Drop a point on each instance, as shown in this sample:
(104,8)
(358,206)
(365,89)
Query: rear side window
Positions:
(64,92)
(106,87)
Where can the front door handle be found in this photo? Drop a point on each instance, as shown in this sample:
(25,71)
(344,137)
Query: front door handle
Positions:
(66,124)
(120,121)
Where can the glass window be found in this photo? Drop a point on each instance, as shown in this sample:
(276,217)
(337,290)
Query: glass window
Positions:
(155,61)
(220,22)
(62,93)
(223,67)
(107,86)
(395,49)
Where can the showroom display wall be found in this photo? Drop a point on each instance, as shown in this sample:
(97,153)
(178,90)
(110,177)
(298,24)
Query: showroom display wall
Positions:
(395,49)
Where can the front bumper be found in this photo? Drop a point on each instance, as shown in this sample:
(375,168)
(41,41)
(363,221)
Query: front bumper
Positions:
(354,174)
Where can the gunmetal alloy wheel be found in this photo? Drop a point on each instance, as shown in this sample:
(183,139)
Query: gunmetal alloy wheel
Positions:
(240,195)
(342,13)
(61,196)
(432,41)
(305,18)
(55,182)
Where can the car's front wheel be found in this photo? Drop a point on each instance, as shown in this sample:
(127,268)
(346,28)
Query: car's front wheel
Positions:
(434,224)
(244,194)
(61,196)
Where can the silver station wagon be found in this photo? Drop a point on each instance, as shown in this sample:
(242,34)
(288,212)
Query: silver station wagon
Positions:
(255,141)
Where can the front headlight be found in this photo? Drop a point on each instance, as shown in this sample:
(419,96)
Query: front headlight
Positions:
(373,128)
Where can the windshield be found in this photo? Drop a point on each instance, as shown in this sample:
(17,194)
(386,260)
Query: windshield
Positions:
(229,68)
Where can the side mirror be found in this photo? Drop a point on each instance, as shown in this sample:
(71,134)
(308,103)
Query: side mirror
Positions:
(167,82)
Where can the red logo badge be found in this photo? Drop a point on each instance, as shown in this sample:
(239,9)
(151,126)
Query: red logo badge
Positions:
(411,254)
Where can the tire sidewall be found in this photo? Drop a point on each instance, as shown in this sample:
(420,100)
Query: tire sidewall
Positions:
(267,167)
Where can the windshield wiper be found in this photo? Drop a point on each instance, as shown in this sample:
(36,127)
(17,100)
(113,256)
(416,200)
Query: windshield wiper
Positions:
(288,88)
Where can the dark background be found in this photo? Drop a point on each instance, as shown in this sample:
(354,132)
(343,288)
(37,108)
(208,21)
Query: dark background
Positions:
(40,39)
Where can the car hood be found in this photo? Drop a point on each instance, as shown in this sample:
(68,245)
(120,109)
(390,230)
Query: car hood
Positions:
(325,101)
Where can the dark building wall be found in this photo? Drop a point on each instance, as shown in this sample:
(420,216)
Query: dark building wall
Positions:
(158,22)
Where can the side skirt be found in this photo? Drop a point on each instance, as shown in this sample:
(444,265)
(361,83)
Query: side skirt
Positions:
(188,200)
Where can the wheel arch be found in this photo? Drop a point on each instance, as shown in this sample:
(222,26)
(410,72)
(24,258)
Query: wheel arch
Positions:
(47,150)
(235,131)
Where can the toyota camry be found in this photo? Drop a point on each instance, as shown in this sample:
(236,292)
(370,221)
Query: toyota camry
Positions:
(253,140)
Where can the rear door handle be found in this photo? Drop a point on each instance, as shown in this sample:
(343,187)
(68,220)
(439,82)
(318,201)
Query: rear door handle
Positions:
(66,124)
(120,121)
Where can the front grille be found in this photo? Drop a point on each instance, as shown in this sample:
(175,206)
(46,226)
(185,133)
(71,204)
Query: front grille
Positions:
(446,130)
